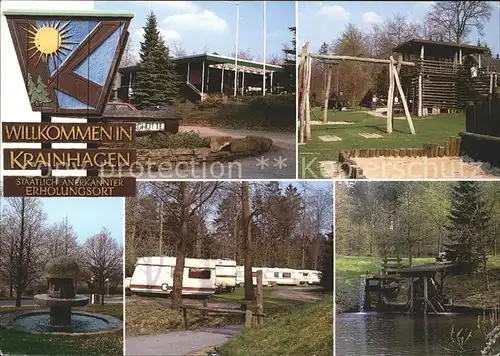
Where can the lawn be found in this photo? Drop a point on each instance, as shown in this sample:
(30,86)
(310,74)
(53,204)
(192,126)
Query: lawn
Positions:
(349,268)
(153,315)
(18,342)
(431,129)
(305,330)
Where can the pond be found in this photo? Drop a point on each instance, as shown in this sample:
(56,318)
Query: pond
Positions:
(377,334)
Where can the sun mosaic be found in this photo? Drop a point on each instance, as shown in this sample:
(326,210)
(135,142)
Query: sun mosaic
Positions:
(49,40)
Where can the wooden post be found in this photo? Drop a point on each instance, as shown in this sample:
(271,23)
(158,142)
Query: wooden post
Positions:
(403,99)
(260,299)
(327,93)
(302,82)
(411,294)
(271,84)
(306,93)
(425,295)
(222,81)
(188,73)
(205,305)
(390,100)
(202,80)
(243,82)
(248,319)
(420,83)
(184,318)
(479,60)
(460,56)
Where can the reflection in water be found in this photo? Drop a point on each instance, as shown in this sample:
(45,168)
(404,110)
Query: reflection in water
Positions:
(376,334)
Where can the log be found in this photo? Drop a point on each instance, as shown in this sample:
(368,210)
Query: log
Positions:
(360,59)
(184,318)
(447,148)
(302,82)
(390,101)
(441,151)
(403,98)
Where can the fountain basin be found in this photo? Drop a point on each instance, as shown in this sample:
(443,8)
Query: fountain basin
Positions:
(81,323)
(51,302)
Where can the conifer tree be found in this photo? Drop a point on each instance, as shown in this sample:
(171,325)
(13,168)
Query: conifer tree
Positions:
(469,219)
(157,81)
(323,49)
(290,62)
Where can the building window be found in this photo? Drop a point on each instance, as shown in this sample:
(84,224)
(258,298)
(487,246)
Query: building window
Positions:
(199,273)
(287,275)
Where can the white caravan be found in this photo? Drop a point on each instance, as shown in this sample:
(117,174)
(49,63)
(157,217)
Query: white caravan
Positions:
(240,275)
(309,276)
(126,284)
(155,275)
(225,274)
(254,275)
(282,276)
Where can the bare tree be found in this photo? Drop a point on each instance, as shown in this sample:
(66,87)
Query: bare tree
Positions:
(60,240)
(103,258)
(274,59)
(456,19)
(245,54)
(128,58)
(177,49)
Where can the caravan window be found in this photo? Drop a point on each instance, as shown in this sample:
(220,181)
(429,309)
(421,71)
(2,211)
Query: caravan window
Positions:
(276,274)
(199,273)
(305,274)
(287,275)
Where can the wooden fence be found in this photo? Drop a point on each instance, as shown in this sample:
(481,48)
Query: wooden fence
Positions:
(252,318)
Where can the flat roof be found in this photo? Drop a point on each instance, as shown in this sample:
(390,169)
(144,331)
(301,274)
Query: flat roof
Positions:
(67,13)
(425,269)
(413,46)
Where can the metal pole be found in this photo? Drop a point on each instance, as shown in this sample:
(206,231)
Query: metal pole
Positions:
(236,50)
(264,66)
(202,80)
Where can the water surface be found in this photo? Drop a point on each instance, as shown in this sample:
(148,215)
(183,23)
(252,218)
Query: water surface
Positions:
(79,323)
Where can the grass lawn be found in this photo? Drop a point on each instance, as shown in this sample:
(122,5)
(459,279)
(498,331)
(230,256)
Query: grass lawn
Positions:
(18,342)
(154,316)
(305,330)
(432,129)
(464,289)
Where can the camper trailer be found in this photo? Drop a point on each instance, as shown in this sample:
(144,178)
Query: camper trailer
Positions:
(225,274)
(155,275)
(309,276)
(254,275)
(240,275)
(282,276)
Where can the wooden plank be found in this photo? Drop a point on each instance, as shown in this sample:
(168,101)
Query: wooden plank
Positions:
(403,98)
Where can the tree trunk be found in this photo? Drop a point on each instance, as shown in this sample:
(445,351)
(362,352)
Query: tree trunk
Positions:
(327,93)
(181,248)
(20,262)
(102,285)
(247,223)
(409,255)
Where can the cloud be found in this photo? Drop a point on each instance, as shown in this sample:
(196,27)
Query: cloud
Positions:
(425,5)
(204,20)
(336,11)
(372,18)
(168,35)
(174,6)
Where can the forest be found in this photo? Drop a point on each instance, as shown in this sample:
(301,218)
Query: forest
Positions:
(268,224)
(28,242)
(415,219)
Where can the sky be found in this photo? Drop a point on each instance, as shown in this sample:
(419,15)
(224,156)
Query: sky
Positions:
(87,215)
(320,22)
(211,25)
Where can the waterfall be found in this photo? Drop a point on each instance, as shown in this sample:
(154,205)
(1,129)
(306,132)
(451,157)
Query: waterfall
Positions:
(362,286)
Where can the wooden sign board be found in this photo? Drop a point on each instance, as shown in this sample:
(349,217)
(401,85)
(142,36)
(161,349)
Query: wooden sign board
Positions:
(68,59)
(68,187)
(66,132)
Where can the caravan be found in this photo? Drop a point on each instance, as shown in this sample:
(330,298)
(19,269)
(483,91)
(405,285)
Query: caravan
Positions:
(309,277)
(155,275)
(282,276)
(240,275)
(225,274)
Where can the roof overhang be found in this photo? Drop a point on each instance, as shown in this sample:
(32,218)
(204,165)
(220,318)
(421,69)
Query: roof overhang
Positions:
(432,47)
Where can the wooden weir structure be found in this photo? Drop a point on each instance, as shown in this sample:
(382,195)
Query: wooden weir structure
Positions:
(425,290)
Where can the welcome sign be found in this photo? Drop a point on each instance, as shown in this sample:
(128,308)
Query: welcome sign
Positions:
(68,61)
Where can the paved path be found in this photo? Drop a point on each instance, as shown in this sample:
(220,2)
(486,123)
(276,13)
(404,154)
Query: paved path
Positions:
(180,342)
(277,164)
(31,302)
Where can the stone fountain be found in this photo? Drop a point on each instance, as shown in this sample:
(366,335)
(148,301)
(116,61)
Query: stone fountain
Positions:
(61,274)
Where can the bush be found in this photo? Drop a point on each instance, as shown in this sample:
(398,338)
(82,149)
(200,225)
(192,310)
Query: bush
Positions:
(167,140)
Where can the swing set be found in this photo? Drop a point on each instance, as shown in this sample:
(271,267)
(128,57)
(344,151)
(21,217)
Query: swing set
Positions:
(305,70)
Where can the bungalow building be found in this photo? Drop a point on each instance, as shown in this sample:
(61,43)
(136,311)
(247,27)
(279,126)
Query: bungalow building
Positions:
(212,74)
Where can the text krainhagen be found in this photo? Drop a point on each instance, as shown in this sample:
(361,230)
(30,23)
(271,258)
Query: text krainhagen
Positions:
(55,159)
(75,133)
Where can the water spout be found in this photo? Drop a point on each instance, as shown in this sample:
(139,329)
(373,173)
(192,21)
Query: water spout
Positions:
(362,287)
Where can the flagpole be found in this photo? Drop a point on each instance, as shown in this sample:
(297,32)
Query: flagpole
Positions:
(236,50)
(264,66)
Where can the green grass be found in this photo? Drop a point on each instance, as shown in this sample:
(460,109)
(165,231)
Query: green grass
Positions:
(432,129)
(18,342)
(305,330)
(349,268)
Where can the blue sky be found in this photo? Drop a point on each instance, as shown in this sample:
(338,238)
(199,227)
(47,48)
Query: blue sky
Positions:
(87,215)
(320,22)
(202,25)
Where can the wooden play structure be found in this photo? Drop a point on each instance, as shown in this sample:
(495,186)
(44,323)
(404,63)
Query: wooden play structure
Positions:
(425,288)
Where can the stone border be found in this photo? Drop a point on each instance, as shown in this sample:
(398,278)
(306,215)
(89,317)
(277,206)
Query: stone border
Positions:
(8,318)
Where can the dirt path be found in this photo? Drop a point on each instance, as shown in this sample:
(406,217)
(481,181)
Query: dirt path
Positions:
(303,294)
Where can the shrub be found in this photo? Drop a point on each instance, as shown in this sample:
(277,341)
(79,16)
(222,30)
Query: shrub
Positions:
(167,140)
